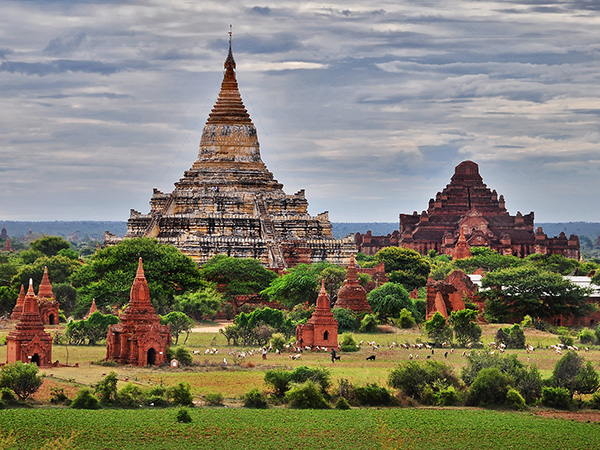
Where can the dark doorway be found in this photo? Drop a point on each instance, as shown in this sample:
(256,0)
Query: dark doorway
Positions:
(51,319)
(326,335)
(151,357)
(35,359)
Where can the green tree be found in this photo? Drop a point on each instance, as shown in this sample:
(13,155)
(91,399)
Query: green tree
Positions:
(60,269)
(200,304)
(438,330)
(388,300)
(50,245)
(22,379)
(107,388)
(516,292)
(8,299)
(553,263)
(406,319)
(298,285)
(489,388)
(92,329)
(404,266)
(486,259)
(346,319)
(179,323)
(66,296)
(109,277)
(238,279)
(575,374)
(333,276)
(464,322)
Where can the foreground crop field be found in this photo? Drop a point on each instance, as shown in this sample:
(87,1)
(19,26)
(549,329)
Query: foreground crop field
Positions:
(279,429)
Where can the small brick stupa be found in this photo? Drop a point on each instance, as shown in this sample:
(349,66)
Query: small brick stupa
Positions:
(352,295)
(462,249)
(139,339)
(321,329)
(28,342)
(18,309)
(7,246)
(47,302)
(92,310)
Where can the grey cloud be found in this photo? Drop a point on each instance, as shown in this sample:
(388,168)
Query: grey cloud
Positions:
(65,44)
(58,66)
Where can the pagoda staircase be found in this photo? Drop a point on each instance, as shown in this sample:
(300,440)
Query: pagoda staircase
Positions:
(269,234)
(153,229)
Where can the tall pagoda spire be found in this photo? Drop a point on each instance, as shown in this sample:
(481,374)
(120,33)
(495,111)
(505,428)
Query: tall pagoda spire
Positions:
(45,289)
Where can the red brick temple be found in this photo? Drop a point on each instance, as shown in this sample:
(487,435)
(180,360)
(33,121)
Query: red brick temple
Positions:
(351,294)
(18,309)
(445,296)
(139,339)
(321,329)
(93,309)
(28,342)
(47,302)
(466,204)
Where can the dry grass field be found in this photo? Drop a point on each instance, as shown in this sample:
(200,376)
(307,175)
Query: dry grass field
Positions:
(232,376)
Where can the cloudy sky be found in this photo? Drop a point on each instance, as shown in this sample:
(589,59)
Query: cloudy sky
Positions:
(368,106)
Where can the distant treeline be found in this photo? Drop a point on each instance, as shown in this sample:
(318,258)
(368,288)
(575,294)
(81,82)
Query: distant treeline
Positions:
(82,230)
(87,229)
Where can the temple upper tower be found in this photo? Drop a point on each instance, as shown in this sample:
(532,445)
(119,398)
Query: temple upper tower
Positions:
(229,203)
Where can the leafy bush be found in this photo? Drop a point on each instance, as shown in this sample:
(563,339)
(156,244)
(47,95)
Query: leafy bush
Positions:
(92,329)
(527,322)
(279,380)
(406,319)
(489,388)
(278,341)
(22,379)
(594,402)
(368,324)
(7,397)
(346,318)
(181,354)
(85,399)
(306,395)
(515,400)
(422,380)
(319,375)
(254,399)
(130,396)
(572,373)
(214,399)
(529,383)
(348,343)
(512,337)
(183,415)
(556,397)
(373,395)
(465,327)
(342,403)
(180,394)
(346,390)
(438,330)
(107,388)
(447,397)
(587,336)
(57,395)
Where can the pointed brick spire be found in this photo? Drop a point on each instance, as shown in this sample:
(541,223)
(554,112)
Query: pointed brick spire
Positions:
(140,294)
(18,309)
(45,289)
(323,298)
(351,294)
(461,250)
(92,310)
(229,109)
(7,245)
(30,305)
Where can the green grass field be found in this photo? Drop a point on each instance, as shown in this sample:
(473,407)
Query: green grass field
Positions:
(278,429)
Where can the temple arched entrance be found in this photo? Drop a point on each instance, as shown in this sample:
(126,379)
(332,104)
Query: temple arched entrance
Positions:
(151,357)
(35,359)
(326,335)
(51,319)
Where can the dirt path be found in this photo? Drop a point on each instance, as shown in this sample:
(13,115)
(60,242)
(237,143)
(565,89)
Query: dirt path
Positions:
(583,416)
(211,328)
